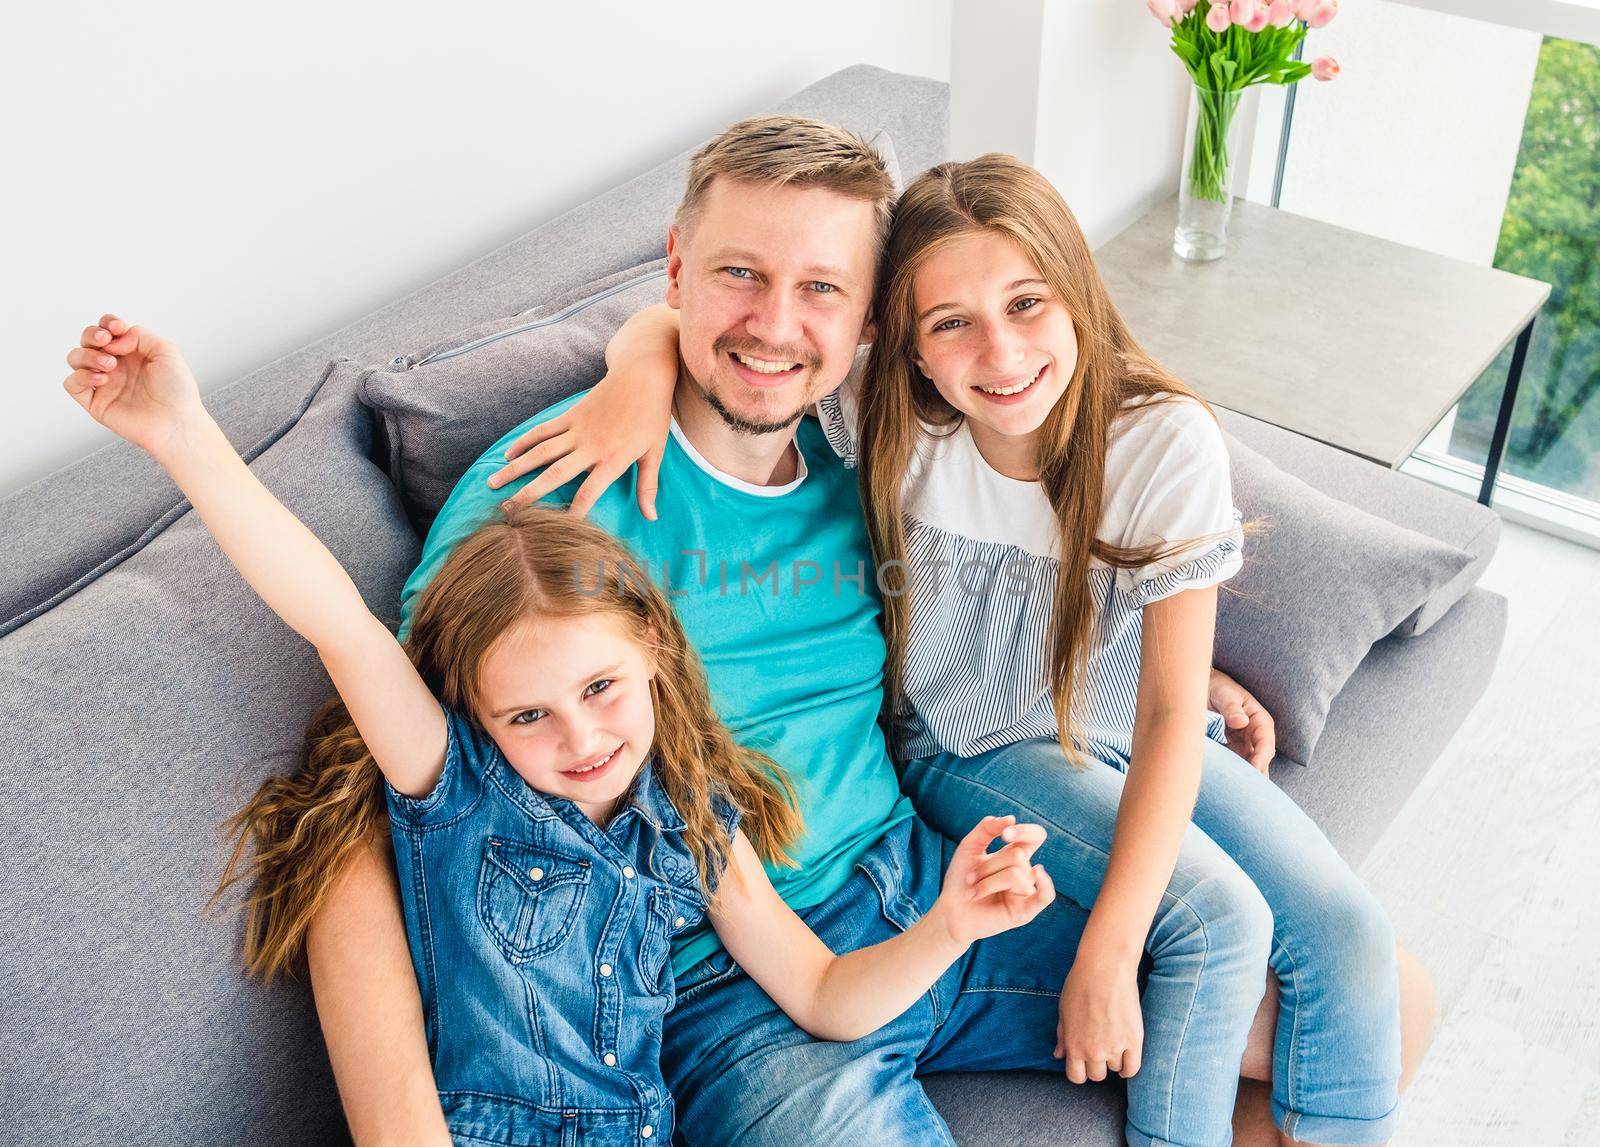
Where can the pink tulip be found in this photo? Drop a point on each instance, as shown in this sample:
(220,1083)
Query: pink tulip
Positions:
(1242,11)
(1217,17)
(1322,15)
(1280,14)
(1304,8)
(1187,5)
(1166,11)
(1325,67)
(1258,21)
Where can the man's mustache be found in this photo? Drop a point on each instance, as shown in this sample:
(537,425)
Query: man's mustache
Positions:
(730,344)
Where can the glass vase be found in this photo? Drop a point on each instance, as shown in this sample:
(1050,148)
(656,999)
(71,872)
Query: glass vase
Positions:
(1211,149)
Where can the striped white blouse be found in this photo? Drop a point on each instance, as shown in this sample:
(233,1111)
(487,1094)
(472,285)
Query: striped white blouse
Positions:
(982,553)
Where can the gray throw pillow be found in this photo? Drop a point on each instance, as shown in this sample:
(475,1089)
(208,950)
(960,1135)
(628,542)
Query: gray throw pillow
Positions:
(1393,496)
(443,406)
(1322,581)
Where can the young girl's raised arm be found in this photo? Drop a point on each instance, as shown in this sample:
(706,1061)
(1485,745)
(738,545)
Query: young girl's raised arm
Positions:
(850,996)
(139,386)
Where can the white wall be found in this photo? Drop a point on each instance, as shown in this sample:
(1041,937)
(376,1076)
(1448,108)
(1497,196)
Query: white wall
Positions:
(245,180)
(1087,91)
(1112,102)
(1417,139)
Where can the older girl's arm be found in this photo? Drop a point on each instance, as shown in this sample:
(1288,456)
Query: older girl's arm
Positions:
(1101,1027)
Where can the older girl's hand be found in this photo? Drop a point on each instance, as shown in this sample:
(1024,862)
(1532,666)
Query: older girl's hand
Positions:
(624,420)
(134,383)
(1100,1026)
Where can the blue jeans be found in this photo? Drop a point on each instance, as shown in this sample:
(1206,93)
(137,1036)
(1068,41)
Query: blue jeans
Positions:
(743,1073)
(1256,882)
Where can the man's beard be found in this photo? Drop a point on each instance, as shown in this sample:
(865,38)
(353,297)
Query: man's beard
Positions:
(731,344)
(745,425)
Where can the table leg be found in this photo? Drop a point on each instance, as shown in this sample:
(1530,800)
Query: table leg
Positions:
(1502,423)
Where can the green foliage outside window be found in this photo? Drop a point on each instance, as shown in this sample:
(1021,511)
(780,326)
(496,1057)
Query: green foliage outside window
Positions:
(1551,231)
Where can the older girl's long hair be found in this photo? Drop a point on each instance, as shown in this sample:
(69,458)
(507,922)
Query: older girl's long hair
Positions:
(301,830)
(999,194)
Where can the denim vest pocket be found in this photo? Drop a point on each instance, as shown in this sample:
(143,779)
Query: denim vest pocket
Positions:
(529,897)
(654,948)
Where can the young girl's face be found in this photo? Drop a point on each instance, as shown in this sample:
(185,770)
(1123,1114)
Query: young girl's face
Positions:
(992,336)
(568,702)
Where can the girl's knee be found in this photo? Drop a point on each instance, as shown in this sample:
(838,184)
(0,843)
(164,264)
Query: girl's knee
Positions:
(1357,929)
(1225,913)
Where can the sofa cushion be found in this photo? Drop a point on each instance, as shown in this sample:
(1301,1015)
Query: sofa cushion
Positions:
(47,518)
(1391,721)
(1399,498)
(1322,581)
(443,406)
(137,714)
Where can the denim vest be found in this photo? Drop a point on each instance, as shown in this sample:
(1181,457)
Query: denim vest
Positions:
(540,942)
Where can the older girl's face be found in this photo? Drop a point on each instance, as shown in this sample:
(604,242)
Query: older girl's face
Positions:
(568,701)
(994,339)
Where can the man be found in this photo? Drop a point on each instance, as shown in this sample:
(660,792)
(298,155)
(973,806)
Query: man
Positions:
(760,537)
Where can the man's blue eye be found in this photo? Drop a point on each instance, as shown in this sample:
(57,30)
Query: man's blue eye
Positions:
(739,272)
(824,288)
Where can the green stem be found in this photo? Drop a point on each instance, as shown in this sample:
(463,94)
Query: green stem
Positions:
(1208,162)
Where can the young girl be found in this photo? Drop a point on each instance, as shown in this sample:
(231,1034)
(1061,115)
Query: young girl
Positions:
(562,798)
(1052,514)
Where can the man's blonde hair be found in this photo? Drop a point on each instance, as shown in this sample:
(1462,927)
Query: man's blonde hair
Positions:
(789,150)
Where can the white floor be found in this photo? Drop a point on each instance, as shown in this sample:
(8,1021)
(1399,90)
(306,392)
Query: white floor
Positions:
(1491,874)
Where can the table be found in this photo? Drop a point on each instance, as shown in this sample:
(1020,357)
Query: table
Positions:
(1352,340)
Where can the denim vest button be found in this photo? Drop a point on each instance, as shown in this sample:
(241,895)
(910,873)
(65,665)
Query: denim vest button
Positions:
(678,923)
(605,969)
(535,874)
(610,1060)
(627,870)
(646,1131)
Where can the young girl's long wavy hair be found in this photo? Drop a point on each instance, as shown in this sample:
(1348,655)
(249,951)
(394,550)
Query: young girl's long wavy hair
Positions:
(999,194)
(301,830)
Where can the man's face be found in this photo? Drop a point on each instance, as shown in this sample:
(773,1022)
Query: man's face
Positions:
(773,285)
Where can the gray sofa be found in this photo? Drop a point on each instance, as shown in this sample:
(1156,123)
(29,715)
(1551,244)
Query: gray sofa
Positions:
(146,692)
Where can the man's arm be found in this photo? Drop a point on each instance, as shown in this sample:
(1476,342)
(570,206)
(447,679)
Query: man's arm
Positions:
(1250,728)
(371,1009)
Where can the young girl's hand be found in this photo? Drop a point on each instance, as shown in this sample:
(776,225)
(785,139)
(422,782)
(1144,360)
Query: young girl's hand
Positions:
(1100,1027)
(134,383)
(985,892)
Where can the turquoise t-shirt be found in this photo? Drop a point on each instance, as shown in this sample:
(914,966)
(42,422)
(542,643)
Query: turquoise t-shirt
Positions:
(774,587)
